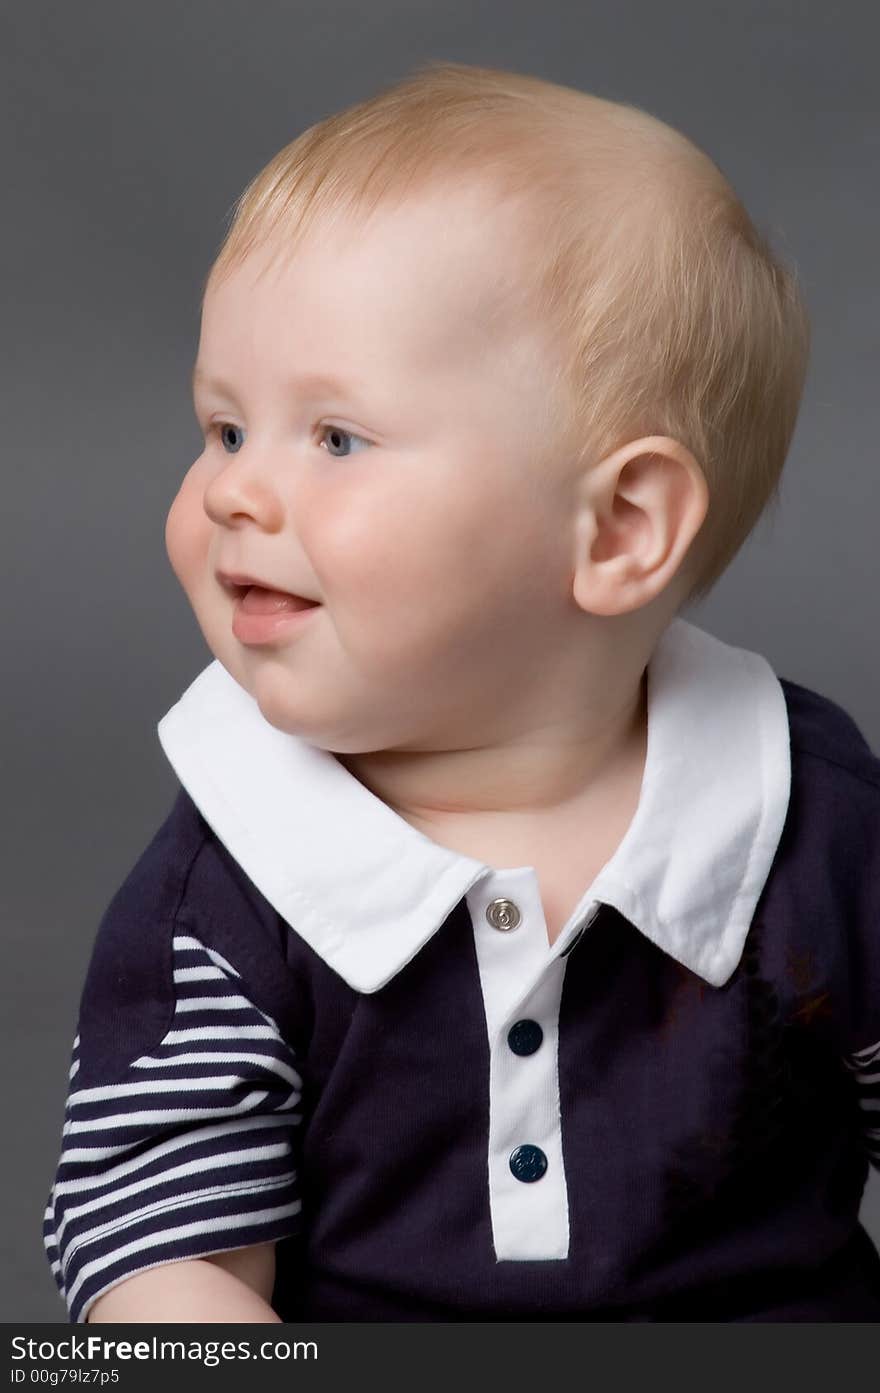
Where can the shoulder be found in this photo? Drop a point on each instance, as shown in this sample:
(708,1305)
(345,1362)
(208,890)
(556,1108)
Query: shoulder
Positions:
(186,877)
(822,730)
(834,806)
(157,882)
(128,991)
(184,882)
(221,906)
(834,846)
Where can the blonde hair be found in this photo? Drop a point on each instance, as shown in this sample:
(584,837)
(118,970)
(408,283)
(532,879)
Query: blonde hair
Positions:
(670,313)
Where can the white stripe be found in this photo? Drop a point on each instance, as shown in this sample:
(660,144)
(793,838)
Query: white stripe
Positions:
(221,1057)
(182,1200)
(219,1032)
(187,941)
(201,1165)
(271,1062)
(82,1155)
(215,1082)
(195,974)
(161,1116)
(218,1226)
(866,1055)
(219,959)
(867,1077)
(233,1002)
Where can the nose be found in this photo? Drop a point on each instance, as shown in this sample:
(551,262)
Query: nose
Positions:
(244,489)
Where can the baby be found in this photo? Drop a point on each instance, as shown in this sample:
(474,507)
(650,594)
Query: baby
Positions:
(512,948)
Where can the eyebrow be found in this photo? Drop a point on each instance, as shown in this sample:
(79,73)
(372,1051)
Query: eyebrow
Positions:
(315,383)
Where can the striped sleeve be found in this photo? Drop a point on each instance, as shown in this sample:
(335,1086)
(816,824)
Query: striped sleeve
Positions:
(864,1065)
(187,1150)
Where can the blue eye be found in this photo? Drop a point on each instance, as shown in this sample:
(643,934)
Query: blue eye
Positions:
(232,438)
(224,428)
(337,433)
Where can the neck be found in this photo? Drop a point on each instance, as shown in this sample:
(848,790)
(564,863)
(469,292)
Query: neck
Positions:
(545,769)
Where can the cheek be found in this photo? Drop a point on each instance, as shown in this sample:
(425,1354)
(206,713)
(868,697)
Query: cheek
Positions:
(346,533)
(381,551)
(187,530)
(415,581)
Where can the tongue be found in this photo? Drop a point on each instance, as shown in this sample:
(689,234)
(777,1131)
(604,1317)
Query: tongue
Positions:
(256,600)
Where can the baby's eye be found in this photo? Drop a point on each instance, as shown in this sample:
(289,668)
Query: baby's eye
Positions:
(232,438)
(227,431)
(338,435)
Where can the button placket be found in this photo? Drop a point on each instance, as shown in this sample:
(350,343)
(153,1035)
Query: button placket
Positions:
(527,1183)
(521,981)
(527,1162)
(510,939)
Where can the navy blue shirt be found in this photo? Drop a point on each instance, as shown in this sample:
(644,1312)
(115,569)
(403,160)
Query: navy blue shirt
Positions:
(305,1021)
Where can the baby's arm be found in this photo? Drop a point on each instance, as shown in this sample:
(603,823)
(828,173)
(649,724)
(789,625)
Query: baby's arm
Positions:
(182,1117)
(233,1287)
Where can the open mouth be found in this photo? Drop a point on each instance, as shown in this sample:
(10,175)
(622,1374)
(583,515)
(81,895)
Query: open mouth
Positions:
(261,599)
(264,616)
(257,599)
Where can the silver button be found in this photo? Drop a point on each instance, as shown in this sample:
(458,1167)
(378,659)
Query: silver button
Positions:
(503,915)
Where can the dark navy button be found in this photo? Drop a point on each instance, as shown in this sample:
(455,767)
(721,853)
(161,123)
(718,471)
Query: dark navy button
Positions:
(528,1162)
(525,1037)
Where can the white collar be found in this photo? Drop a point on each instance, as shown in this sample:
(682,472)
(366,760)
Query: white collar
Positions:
(366,890)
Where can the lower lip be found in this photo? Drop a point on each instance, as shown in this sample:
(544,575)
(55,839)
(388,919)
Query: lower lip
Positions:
(267,628)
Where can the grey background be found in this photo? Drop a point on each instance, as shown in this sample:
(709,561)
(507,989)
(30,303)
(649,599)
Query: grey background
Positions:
(127,132)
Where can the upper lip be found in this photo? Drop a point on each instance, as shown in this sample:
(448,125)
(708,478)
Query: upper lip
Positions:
(239,580)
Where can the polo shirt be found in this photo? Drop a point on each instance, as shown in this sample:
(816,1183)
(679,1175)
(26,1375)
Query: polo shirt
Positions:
(305,1021)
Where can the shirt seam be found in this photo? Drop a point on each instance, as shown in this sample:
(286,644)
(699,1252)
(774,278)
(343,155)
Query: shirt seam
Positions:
(205,836)
(171,1203)
(189,921)
(169,947)
(169,921)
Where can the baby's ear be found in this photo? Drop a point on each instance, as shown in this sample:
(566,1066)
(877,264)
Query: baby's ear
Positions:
(640,509)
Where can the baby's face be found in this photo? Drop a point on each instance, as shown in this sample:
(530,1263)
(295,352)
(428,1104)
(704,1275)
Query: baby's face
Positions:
(412,499)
